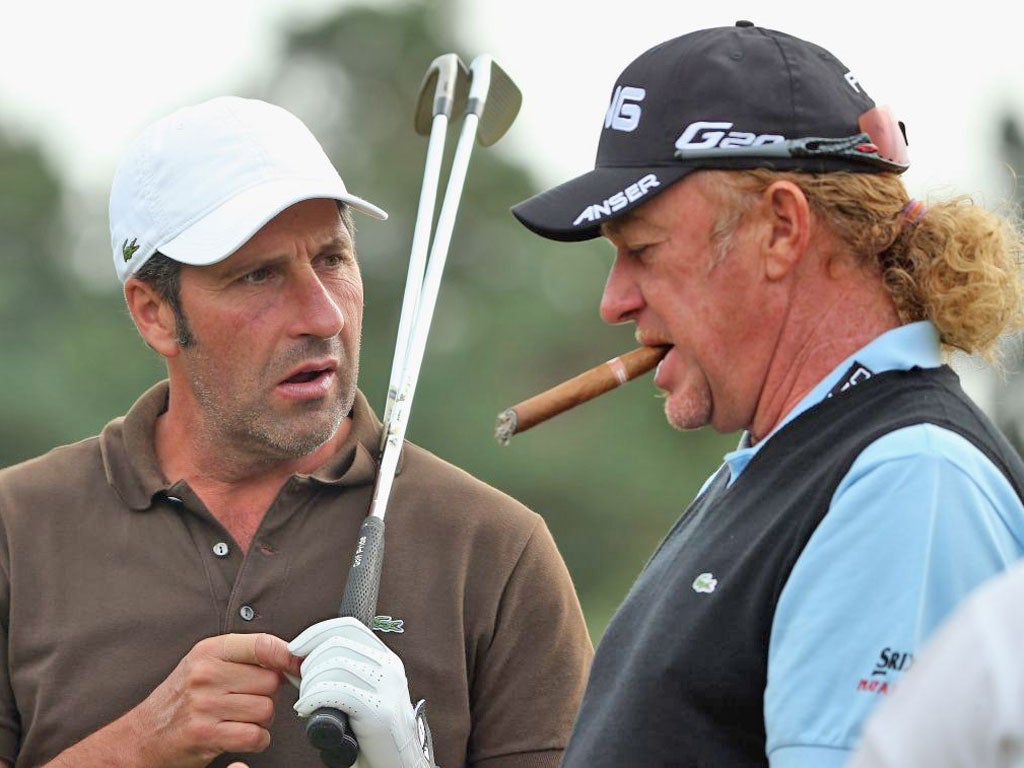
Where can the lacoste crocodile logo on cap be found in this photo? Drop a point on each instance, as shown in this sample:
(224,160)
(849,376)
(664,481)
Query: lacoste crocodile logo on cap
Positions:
(387,624)
(128,249)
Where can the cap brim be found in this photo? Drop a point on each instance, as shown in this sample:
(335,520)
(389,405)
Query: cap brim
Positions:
(228,227)
(575,210)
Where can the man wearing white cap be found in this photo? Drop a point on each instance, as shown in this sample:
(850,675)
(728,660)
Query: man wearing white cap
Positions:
(149,577)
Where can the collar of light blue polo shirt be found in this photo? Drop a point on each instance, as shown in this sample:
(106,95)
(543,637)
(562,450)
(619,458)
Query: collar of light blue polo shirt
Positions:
(903,348)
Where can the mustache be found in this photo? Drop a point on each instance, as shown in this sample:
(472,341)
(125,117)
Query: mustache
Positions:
(308,348)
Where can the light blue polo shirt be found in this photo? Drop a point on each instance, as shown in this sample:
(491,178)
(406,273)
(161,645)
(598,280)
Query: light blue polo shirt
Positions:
(921,518)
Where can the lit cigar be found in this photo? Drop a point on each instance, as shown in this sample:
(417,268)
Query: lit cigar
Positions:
(577,390)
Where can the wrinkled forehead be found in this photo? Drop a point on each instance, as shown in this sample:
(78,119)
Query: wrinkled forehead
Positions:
(315,225)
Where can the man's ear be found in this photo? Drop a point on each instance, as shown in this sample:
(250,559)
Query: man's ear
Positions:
(788,235)
(153,316)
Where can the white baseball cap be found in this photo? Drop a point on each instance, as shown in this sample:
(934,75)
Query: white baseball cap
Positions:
(197,184)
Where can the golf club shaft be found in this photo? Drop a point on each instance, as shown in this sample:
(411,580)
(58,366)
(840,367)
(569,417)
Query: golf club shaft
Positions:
(576,391)
(417,256)
(395,427)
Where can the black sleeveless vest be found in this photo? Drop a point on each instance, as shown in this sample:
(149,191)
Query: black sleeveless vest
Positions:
(679,679)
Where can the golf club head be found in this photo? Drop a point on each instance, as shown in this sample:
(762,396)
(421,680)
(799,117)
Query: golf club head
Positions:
(490,86)
(443,91)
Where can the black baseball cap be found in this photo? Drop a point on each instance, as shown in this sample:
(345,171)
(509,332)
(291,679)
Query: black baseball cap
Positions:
(725,98)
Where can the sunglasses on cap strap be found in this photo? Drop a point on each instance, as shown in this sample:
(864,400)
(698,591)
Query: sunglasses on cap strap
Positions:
(882,141)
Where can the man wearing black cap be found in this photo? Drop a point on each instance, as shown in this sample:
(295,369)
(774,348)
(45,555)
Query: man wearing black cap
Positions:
(751,191)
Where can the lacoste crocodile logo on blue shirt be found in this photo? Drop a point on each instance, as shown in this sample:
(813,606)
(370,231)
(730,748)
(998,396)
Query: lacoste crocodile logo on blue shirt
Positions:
(706,583)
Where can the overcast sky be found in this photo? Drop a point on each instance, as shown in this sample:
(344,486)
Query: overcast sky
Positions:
(84,77)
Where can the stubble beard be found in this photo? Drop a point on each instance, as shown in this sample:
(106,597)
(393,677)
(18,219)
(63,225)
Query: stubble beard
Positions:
(689,410)
(251,427)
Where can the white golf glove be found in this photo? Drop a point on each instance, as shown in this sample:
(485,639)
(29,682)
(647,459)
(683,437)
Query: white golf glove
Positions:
(345,666)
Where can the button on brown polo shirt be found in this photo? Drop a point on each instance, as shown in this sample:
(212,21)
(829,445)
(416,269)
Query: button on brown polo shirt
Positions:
(109,574)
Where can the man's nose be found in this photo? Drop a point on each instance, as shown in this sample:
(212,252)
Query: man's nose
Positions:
(319,312)
(621,299)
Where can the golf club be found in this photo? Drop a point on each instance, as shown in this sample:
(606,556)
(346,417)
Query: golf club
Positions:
(489,86)
(442,93)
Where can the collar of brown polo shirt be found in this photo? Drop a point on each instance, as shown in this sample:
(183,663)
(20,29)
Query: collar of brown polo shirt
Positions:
(129,451)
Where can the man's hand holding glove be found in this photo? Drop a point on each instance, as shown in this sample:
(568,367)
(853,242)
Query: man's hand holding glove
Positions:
(347,667)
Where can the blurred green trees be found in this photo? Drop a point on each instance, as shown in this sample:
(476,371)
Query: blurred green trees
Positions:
(69,359)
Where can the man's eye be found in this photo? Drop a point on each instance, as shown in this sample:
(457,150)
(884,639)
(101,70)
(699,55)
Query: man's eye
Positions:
(257,275)
(636,252)
(335,260)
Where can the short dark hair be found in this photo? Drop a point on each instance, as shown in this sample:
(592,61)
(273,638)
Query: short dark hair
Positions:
(163,274)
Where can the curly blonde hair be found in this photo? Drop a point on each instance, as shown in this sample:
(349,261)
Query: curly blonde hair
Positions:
(957,265)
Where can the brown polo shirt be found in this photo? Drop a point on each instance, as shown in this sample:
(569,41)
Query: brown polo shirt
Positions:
(109,575)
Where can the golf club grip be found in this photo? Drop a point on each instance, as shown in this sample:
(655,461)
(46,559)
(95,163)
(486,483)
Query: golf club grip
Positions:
(328,728)
(360,597)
